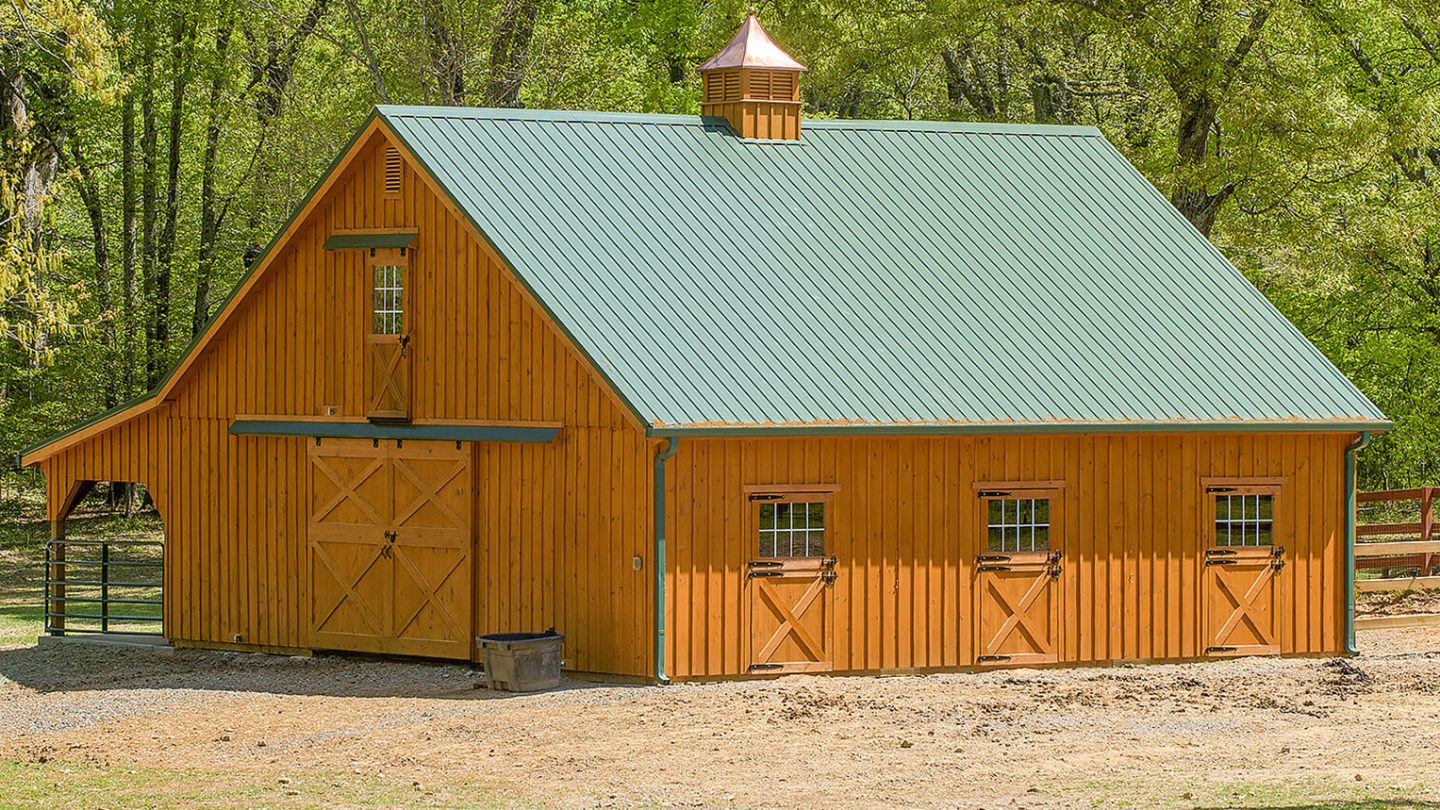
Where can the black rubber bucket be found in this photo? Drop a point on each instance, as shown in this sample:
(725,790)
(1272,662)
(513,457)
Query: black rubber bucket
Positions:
(522,662)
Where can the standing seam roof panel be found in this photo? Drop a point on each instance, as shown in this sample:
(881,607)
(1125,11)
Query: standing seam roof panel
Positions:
(905,273)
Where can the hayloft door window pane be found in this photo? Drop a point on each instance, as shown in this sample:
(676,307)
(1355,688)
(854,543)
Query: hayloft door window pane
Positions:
(389,300)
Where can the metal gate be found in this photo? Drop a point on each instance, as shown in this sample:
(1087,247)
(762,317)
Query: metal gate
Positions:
(104,587)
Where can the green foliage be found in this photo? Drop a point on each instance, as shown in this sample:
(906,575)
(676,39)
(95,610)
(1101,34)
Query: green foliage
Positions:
(1303,136)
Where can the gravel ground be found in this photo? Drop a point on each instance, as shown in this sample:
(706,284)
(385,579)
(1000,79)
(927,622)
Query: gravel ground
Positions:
(1267,731)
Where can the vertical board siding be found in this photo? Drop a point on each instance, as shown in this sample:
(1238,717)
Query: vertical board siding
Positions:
(905,528)
(556,525)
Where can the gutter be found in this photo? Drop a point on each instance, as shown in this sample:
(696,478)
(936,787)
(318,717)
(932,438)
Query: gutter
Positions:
(659,558)
(1356,447)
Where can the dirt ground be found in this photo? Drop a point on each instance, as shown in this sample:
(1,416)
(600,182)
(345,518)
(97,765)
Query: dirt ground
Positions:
(1295,732)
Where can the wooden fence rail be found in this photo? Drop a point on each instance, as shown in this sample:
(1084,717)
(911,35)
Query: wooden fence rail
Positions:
(1405,544)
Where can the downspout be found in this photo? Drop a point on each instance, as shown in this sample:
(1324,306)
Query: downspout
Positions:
(659,558)
(1350,452)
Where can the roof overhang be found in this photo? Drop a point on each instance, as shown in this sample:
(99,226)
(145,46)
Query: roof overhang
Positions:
(1016,428)
(428,431)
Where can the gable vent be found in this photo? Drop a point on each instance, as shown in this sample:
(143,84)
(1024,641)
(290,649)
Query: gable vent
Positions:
(392,172)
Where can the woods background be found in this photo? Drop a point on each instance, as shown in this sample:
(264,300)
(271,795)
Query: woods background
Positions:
(151,149)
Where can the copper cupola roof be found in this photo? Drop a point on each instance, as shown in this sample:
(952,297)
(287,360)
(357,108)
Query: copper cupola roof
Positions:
(751,47)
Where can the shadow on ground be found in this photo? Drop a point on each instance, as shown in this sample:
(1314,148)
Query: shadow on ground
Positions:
(71,666)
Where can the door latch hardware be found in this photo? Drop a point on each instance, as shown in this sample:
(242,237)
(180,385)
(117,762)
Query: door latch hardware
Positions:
(754,667)
(829,562)
(1055,571)
(385,552)
(1278,551)
(830,576)
(1055,556)
(984,658)
(759,574)
(1277,564)
(391,535)
(992,568)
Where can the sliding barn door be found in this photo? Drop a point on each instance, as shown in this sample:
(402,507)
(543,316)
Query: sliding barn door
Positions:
(390,548)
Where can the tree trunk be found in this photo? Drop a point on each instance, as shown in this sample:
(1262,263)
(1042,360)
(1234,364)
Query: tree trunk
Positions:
(127,244)
(510,51)
(182,42)
(89,189)
(148,202)
(447,54)
(272,78)
(210,218)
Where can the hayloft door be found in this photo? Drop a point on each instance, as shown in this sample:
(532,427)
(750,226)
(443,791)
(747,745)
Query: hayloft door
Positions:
(390,547)
(790,581)
(1242,563)
(1017,577)
(387,345)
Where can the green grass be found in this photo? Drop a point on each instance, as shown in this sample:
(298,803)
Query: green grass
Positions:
(1336,792)
(61,784)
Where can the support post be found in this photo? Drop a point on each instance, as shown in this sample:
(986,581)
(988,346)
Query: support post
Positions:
(55,573)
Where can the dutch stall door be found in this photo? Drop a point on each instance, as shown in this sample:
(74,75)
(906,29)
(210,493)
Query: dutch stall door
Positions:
(390,548)
(1017,576)
(790,583)
(387,345)
(1242,589)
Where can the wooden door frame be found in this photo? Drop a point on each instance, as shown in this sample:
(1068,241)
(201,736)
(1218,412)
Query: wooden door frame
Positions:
(783,493)
(1053,491)
(1275,487)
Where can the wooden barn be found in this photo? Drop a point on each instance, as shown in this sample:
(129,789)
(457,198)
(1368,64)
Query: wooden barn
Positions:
(743,394)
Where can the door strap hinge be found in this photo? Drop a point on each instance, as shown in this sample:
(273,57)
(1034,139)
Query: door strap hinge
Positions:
(759,574)
(1221,649)
(1222,562)
(992,568)
(1220,552)
(984,558)
(984,658)
(754,667)
(764,563)
(762,496)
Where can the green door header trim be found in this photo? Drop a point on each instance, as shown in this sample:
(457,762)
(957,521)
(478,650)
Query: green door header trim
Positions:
(372,430)
(342,241)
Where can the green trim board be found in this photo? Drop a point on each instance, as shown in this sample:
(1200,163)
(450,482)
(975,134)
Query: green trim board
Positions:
(380,430)
(1015,428)
(343,241)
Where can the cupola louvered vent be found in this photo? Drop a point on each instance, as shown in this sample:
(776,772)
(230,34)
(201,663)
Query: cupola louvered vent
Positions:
(722,86)
(392,172)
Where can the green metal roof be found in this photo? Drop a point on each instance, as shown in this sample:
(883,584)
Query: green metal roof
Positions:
(876,273)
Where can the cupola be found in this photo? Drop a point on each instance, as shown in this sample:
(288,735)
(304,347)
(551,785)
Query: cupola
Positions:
(754,85)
